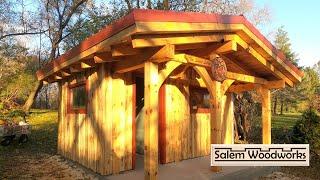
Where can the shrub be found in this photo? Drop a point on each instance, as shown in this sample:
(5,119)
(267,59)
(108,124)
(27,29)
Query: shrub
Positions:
(307,130)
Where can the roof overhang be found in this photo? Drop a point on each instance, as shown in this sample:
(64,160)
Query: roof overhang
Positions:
(242,46)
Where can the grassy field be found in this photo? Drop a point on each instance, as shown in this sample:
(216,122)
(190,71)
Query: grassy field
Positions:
(42,140)
(43,144)
(44,133)
(285,121)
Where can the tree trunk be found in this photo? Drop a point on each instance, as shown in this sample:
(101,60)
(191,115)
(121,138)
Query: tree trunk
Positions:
(47,98)
(281,107)
(205,6)
(32,96)
(149,4)
(128,5)
(275,106)
(166,4)
(235,129)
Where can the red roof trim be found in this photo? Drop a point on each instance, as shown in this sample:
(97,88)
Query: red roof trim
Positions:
(145,15)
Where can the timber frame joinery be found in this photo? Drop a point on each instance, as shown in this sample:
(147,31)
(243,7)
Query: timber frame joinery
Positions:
(161,47)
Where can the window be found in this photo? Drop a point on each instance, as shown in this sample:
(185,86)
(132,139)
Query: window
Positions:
(77,101)
(199,100)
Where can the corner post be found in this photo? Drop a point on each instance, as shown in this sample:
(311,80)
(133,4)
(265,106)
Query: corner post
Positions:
(216,117)
(151,90)
(266,115)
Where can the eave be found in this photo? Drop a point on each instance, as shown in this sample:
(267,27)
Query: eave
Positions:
(150,25)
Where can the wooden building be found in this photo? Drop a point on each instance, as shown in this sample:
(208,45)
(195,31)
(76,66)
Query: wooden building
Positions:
(145,84)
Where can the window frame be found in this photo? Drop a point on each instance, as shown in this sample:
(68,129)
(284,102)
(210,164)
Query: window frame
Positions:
(70,109)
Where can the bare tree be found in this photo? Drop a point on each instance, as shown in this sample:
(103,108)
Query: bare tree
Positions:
(257,15)
(17,20)
(57,16)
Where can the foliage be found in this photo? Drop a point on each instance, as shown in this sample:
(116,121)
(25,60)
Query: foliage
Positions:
(302,95)
(17,71)
(310,87)
(307,130)
(281,125)
(246,108)
(97,16)
(282,42)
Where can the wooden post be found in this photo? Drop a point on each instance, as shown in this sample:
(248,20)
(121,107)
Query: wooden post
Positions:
(214,88)
(151,120)
(266,115)
(216,117)
(228,115)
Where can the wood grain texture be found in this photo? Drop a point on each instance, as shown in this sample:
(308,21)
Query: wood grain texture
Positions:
(101,139)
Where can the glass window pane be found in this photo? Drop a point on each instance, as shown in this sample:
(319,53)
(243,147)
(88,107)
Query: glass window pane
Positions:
(79,97)
(199,98)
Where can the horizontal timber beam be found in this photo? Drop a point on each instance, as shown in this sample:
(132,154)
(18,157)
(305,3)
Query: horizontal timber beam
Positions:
(124,50)
(280,84)
(245,78)
(141,41)
(228,47)
(194,60)
(242,88)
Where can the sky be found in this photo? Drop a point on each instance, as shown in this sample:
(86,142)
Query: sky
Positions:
(301,19)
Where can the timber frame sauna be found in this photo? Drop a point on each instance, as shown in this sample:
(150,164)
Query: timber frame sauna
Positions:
(144,83)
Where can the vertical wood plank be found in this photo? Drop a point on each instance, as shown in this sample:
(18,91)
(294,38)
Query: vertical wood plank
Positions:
(116,121)
(134,96)
(266,115)
(108,123)
(151,120)
(128,122)
(228,116)
(162,124)
(60,116)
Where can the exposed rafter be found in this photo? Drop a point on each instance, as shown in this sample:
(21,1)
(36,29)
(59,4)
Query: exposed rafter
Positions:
(103,57)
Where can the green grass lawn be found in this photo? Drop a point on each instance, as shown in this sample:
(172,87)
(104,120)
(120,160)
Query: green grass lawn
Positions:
(43,137)
(285,121)
(282,126)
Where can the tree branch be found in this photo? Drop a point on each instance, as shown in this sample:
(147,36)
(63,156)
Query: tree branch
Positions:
(21,34)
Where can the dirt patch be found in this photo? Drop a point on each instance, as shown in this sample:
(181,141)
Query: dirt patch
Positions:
(21,165)
(282,176)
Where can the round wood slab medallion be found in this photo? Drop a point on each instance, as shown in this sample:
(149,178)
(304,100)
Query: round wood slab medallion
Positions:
(219,69)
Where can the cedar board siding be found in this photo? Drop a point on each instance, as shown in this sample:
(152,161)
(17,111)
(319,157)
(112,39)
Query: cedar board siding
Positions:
(187,134)
(101,139)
